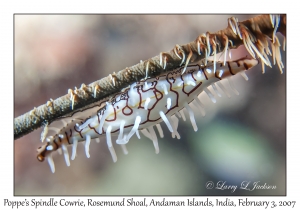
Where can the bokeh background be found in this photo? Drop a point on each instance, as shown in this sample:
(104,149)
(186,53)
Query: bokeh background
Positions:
(242,138)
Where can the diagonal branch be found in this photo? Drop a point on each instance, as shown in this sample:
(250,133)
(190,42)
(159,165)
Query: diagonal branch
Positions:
(204,46)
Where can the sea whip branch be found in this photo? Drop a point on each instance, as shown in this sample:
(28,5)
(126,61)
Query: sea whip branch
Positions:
(252,33)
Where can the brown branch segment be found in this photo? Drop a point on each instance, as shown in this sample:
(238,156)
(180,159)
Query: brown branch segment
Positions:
(106,87)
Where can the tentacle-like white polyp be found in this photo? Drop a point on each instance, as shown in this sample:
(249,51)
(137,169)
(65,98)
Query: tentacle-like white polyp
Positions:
(165,119)
(134,128)
(120,137)
(125,151)
(192,117)
(109,144)
(66,154)
(160,131)
(87,146)
(74,148)
(175,126)
(154,139)
(51,163)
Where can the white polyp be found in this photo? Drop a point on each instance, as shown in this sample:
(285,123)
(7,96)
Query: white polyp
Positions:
(87,146)
(49,148)
(220,73)
(113,153)
(192,117)
(206,56)
(210,95)
(108,136)
(263,67)
(216,90)
(183,58)
(235,27)
(109,144)
(147,103)
(160,59)
(138,134)
(125,151)
(238,29)
(51,163)
(223,88)
(175,126)
(160,131)
(97,140)
(200,105)
(112,79)
(244,75)
(272,20)
(187,61)
(175,50)
(84,125)
(208,45)
(182,114)
(73,102)
(274,53)
(168,103)
(198,47)
(165,119)
(165,62)
(66,154)
(74,148)
(165,89)
(277,54)
(232,86)
(122,124)
(61,136)
(95,92)
(277,21)
(259,54)
(232,26)
(134,128)
(147,68)
(154,139)
(225,50)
